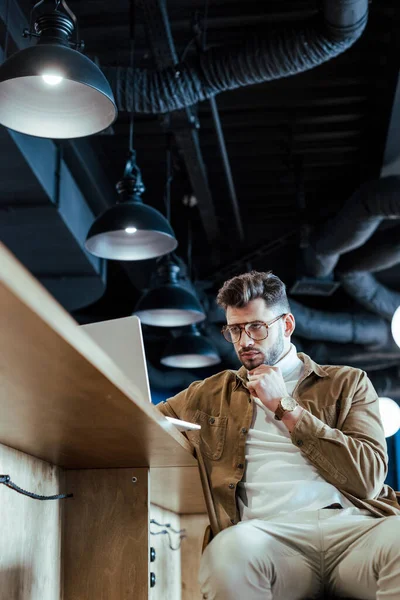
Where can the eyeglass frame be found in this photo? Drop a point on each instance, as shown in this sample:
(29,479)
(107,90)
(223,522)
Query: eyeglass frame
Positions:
(242,328)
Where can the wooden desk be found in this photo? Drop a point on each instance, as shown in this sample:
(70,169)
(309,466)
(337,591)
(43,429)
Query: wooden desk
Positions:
(63,401)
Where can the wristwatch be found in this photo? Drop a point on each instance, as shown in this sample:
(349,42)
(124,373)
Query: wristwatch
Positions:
(286,404)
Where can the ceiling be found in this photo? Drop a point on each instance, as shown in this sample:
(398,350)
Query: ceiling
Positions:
(296,150)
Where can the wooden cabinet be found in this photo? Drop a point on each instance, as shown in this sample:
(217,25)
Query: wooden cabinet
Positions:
(71,421)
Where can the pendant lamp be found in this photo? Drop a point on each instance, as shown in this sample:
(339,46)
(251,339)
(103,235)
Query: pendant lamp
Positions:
(169,304)
(130,230)
(52,90)
(190,351)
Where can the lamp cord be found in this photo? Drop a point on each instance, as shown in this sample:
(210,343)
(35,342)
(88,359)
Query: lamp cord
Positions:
(189,245)
(132,23)
(7,30)
(205,24)
(7,481)
(168,182)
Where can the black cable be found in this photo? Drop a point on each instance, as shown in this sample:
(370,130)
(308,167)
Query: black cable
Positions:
(168,182)
(205,24)
(166,532)
(189,246)
(7,481)
(7,30)
(181,537)
(186,49)
(132,24)
(154,522)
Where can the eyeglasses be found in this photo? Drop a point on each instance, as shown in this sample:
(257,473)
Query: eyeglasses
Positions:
(258,330)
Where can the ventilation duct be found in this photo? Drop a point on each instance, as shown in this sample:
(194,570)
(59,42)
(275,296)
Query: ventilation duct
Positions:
(278,54)
(344,328)
(356,355)
(371,294)
(381,252)
(355,223)
(387,382)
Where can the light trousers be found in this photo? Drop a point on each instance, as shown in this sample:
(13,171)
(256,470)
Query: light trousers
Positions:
(347,552)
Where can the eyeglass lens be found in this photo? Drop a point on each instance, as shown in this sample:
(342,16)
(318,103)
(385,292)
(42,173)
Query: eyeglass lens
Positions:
(257,331)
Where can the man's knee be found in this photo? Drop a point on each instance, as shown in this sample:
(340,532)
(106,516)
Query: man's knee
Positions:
(388,537)
(229,555)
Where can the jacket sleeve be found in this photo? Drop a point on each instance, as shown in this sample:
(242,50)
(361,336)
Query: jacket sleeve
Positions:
(353,458)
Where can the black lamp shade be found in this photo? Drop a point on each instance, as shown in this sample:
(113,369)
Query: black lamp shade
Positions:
(190,351)
(169,305)
(108,236)
(81,104)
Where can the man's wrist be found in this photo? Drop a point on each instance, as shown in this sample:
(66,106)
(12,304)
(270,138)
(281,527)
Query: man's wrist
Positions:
(291,418)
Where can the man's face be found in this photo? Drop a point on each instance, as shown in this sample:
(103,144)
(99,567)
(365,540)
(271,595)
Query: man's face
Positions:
(253,353)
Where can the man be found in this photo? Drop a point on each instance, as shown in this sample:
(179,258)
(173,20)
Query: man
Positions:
(292,458)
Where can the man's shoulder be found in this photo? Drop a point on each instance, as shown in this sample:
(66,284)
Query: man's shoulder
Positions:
(342,370)
(330,370)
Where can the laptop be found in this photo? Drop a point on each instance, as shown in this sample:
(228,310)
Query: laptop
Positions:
(122,340)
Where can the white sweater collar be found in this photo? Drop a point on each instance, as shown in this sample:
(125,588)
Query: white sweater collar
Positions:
(290,364)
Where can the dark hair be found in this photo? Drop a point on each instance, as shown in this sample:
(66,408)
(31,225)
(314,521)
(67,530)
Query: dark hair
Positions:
(240,290)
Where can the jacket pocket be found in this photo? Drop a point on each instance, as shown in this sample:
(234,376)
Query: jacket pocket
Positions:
(211,437)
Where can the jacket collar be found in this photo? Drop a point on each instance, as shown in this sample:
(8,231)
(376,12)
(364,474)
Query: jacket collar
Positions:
(309,364)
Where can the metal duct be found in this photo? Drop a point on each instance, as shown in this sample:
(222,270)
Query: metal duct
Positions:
(362,214)
(387,383)
(371,294)
(345,328)
(356,355)
(381,252)
(278,54)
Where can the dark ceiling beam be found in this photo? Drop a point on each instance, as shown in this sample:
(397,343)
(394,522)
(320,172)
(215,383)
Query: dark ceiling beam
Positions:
(182,123)
(227,170)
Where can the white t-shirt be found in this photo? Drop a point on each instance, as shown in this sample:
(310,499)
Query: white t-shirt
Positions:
(278,478)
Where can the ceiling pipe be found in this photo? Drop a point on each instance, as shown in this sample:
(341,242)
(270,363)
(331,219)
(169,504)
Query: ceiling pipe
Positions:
(371,294)
(345,328)
(381,252)
(353,225)
(291,50)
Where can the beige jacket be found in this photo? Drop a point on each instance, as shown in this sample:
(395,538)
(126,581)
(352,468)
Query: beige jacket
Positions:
(340,433)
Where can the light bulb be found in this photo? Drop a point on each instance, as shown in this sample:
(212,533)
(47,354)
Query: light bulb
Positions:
(52,79)
(390,414)
(131,230)
(396,326)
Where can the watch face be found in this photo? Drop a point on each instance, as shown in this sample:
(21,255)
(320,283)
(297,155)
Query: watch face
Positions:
(288,403)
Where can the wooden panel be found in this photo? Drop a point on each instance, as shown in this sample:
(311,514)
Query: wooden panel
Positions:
(195,526)
(63,399)
(177,489)
(30,539)
(167,566)
(105,542)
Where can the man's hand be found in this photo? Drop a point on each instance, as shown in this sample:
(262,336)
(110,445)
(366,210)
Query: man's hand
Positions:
(267,384)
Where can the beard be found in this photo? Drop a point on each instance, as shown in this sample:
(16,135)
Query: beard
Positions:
(263,357)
